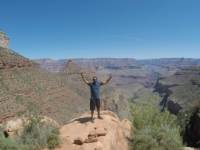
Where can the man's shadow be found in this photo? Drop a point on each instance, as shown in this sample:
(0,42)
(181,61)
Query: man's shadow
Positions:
(83,119)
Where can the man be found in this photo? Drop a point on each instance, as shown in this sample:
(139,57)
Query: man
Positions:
(95,93)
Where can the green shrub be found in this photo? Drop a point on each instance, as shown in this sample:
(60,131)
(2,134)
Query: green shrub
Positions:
(155,130)
(8,144)
(53,141)
(39,135)
(163,138)
(147,113)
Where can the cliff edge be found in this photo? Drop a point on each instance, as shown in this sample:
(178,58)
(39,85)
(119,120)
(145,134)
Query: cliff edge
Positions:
(107,133)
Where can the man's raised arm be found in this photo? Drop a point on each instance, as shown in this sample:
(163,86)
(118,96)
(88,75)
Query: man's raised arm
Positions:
(84,79)
(109,78)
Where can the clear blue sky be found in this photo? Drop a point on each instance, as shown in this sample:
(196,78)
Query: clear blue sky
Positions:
(102,28)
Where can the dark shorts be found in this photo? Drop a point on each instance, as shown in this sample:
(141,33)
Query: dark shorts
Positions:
(94,102)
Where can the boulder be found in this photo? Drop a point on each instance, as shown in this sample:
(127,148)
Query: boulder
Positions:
(101,131)
(78,141)
(14,127)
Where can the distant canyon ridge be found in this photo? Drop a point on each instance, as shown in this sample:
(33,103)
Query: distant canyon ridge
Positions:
(115,63)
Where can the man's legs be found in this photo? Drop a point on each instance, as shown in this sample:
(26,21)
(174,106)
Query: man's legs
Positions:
(98,105)
(92,114)
(95,103)
(92,108)
(98,112)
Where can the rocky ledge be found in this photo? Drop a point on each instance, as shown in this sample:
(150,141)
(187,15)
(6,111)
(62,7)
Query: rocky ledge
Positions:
(107,133)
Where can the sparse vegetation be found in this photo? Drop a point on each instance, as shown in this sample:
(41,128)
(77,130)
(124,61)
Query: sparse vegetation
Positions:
(154,130)
(9,144)
(37,135)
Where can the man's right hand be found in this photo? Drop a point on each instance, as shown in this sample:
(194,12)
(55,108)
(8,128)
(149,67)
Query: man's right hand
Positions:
(85,80)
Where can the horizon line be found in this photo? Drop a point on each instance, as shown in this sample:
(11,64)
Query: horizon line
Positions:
(112,58)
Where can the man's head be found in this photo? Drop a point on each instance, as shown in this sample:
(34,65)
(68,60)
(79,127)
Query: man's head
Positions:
(94,78)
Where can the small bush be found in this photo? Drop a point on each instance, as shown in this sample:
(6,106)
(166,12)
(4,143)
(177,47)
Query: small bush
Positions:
(38,135)
(147,113)
(163,138)
(155,130)
(8,144)
(53,141)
